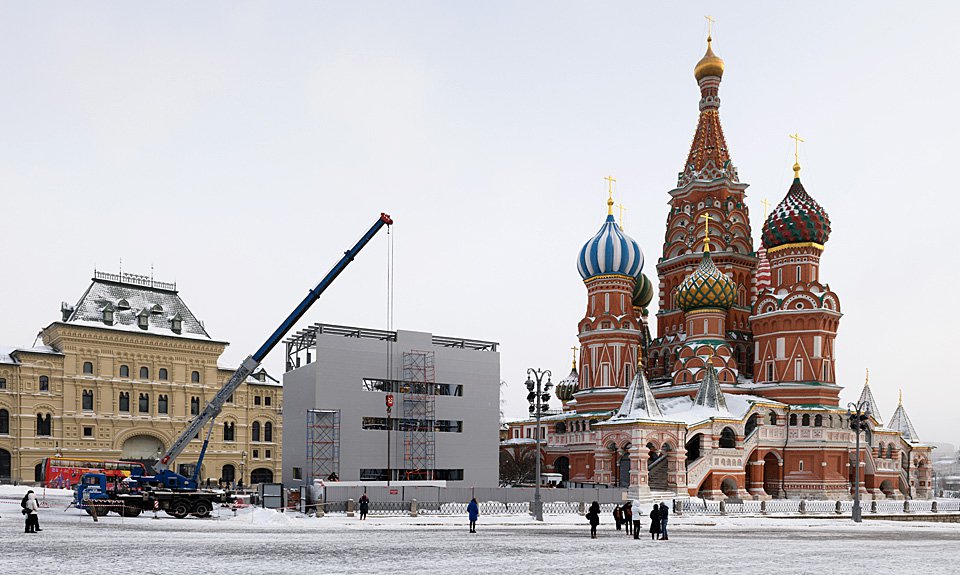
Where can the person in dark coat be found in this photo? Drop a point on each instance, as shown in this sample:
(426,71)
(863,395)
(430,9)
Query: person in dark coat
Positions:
(593,516)
(664,516)
(364,506)
(30,508)
(473,510)
(627,513)
(655,522)
(618,516)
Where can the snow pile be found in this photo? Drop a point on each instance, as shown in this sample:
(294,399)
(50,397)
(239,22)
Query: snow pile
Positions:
(261,516)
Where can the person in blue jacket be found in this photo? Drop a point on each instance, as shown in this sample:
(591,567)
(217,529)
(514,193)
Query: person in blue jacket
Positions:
(473,510)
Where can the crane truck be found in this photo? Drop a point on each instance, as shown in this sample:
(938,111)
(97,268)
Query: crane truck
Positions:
(168,490)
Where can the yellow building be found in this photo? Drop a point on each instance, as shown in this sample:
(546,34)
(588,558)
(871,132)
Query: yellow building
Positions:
(119,377)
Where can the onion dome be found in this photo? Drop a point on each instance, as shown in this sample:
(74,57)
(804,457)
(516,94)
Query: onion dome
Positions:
(610,252)
(568,386)
(642,292)
(798,218)
(706,287)
(709,65)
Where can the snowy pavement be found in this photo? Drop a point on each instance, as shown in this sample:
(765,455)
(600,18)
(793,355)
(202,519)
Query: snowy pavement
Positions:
(262,541)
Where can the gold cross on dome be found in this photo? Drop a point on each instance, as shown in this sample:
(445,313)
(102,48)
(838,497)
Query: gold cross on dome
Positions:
(710,21)
(621,207)
(766,208)
(610,180)
(574,348)
(796,153)
(706,231)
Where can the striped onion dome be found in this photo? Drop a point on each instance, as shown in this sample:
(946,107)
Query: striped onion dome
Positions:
(610,252)
(706,287)
(796,219)
(642,291)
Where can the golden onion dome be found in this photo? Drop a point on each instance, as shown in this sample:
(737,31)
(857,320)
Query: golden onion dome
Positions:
(706,287)
(709,65)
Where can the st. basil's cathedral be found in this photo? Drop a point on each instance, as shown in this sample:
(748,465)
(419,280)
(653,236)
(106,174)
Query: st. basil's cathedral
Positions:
(736,396)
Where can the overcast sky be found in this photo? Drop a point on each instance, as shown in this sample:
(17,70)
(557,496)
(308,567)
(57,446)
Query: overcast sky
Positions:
(240,148)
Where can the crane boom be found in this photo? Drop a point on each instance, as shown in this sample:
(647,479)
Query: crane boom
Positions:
(253,361)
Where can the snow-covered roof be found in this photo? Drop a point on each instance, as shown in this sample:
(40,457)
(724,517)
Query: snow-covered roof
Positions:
(7,353)
(866,397)
(901,422)
(130,298)
(709,394)
(639,401)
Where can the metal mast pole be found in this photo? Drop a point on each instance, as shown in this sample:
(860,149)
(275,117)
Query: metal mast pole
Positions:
(537,503)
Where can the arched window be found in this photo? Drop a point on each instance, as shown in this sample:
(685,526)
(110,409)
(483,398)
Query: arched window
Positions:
(728,438)
(124,371)
(751,425)
(124,403)
(87,368)
(268,432)
(163,404)
(44,383)
(195,377)
(805,420)
(4,422)
(87,404)
(144,373)
(44,425)
(163,374)
(255,431)
(773,418)
(228,428)
(818,421)
(793,419)
(229,473)
(194,405)
(143,405)
(261,475)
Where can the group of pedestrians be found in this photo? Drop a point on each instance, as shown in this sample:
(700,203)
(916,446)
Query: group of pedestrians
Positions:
(623,515)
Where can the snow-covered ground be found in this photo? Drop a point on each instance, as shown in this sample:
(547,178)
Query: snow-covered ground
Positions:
(262,541)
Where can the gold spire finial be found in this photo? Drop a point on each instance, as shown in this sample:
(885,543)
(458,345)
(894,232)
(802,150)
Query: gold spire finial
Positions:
(574,349)
(766,208)
(867,382)
(621,207)
(610,180)
(901,397)
(796,153)
(710,21)
(706,232)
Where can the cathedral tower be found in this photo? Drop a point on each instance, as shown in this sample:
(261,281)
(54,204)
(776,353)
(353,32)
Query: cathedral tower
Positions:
(708,185)
(610,332)
(795,319)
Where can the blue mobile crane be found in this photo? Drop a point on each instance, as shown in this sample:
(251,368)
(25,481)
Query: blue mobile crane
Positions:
(170,491)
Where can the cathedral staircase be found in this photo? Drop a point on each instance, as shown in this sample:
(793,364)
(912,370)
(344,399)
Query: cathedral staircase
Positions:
(657,474)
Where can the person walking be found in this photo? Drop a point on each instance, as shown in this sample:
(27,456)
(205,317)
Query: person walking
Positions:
(664,515)
(364,506)
(473,511)
(655,522)
(627,513)
(30,508)
(617,516)
(593,516)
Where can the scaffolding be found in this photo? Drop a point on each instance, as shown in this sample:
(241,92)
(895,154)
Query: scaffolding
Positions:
(419,413)
(323,444)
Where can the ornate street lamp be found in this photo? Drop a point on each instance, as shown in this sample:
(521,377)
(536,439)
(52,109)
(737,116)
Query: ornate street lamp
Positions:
(858,414)
(538,395)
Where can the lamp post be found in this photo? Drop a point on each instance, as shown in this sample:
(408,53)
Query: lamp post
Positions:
(243,463)
(538,395)
(858,414)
